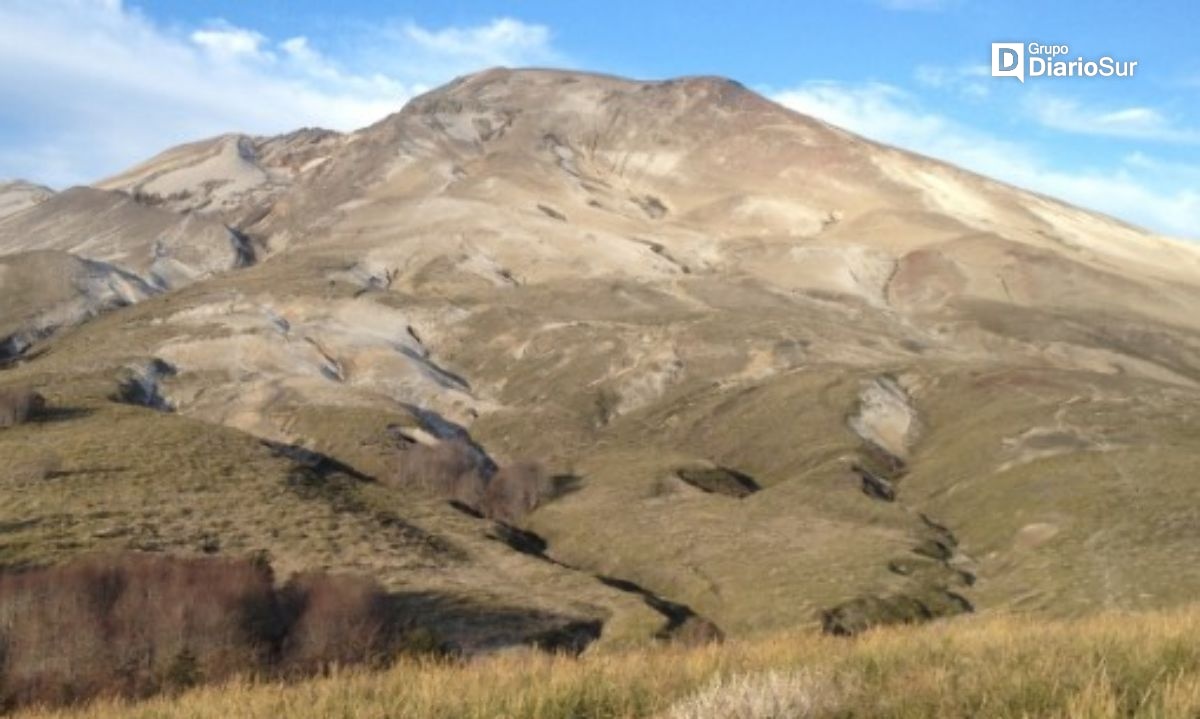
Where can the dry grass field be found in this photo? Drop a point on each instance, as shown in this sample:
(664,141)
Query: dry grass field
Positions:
(1002,666)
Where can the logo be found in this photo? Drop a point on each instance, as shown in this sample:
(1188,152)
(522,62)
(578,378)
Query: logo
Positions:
(1008,60)
(1028,60)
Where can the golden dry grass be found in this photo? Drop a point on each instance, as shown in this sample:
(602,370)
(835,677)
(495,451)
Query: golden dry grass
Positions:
(999,666)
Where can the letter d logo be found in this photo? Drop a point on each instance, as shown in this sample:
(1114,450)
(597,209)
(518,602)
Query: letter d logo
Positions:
(1008,60)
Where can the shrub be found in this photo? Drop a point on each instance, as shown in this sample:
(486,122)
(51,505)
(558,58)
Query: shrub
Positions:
(450,468)
(135,624)
(459,472)
(116,624)
(19,405)
(337,620)
(696,631)
(514,491)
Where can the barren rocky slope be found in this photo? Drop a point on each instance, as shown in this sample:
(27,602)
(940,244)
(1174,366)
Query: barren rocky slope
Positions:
(787,373)
(16,196)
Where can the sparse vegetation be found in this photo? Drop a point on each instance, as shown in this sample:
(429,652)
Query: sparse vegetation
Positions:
(1002,666)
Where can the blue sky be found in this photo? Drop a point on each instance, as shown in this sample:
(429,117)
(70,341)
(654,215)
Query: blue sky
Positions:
(92,86)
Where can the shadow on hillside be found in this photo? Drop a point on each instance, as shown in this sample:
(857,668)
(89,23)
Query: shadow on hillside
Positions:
(50,415)
(84,472)
(468,625)
(563,484)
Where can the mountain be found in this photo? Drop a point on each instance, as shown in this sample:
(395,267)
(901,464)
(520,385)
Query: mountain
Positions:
(781,375)
(18,195)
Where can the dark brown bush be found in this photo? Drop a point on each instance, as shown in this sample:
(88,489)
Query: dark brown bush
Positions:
(450,469)
(117,624)
(514,491)
(19,405)
(135,624)
(338,620)
(696,631)
(455,470)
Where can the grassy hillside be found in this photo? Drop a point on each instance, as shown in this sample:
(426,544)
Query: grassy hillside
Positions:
(999,666)
(95,475)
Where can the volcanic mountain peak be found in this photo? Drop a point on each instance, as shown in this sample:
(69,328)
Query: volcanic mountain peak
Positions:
(783,368)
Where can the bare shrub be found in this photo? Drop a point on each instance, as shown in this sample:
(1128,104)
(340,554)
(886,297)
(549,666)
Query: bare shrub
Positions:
(19,405)
(696,631)
(763,696)
(455,470)
(135,624)
(450,468)
(117,624)
(514,491)
(337,620)
(468,490)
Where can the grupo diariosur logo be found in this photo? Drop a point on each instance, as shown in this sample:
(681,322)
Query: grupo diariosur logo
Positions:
(1022,60)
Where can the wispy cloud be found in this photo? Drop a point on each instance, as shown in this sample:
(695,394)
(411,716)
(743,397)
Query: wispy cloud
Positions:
(969,80)
(494,44)
(1169,170)
(891,115)
(1132,122)
(92,86)
(1136,189)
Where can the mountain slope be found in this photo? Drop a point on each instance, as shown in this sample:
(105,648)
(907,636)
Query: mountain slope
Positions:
(42,290)
(17,196)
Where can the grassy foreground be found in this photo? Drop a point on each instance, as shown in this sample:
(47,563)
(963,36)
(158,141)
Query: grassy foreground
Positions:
(1107,665)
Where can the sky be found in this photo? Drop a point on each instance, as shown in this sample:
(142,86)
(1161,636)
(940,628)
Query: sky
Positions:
(89,87)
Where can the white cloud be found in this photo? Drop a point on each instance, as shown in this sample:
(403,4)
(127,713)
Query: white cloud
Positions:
(92,86)
(1137,122)
(226,42)
(1137,190)
(299,50)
